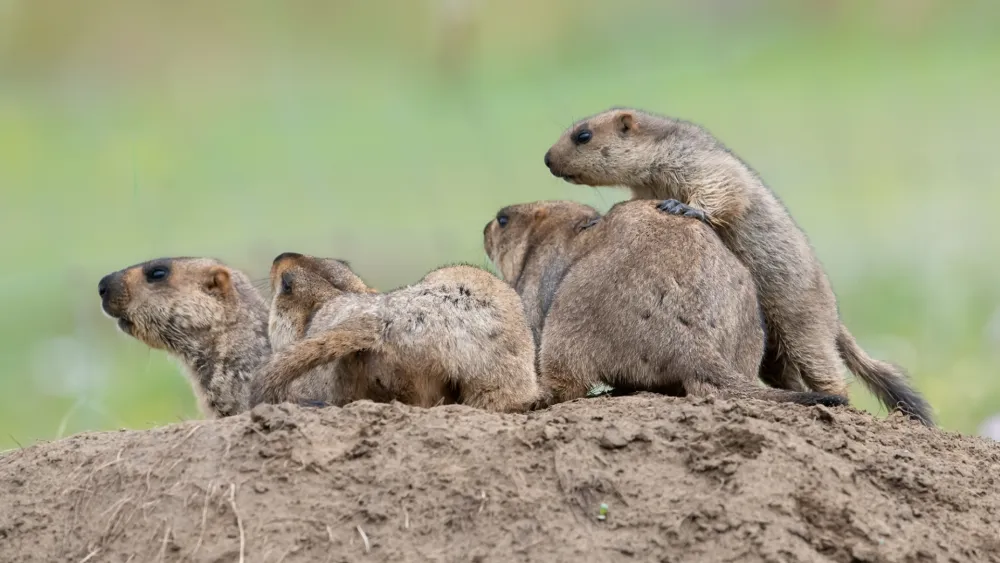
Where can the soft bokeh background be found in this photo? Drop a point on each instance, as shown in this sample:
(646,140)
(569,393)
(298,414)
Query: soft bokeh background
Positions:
(388,133)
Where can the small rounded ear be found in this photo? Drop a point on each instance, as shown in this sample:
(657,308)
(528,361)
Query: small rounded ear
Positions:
(218,281)
(541,213)
(626,121)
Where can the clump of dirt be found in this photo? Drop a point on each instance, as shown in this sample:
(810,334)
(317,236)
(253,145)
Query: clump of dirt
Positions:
(684,480)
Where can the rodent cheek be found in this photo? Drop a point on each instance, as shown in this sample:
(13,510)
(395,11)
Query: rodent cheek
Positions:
(281,332)
(142,327)
(505,264)
(488,241)
(198,314)
(272,326)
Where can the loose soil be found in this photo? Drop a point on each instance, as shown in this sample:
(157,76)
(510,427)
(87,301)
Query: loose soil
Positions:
(684,480)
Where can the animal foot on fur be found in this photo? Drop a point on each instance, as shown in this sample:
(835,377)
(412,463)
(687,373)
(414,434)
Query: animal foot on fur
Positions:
(314,404)
(675,207)
(598,389)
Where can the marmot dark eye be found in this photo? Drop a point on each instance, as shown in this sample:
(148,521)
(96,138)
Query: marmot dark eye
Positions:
(159,273)
(582,136)
(286,283)
(502,220)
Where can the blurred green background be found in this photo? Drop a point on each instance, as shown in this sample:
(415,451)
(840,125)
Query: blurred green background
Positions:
(388,133)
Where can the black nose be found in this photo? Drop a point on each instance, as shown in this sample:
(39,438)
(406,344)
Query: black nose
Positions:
(102,286)
(548,159)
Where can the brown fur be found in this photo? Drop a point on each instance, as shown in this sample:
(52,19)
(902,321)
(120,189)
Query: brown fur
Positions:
(200,311)
(289,318)
(638,299)
(458,335)
(669,159)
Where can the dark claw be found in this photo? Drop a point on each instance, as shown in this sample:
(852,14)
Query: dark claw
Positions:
(675,207)
(668,205)
(671,206)
(316,404)
(826,400)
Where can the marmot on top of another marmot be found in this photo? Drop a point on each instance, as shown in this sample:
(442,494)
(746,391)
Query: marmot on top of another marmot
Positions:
(293,308)
(201,311)
(669,159)
(638,299)
(457,335)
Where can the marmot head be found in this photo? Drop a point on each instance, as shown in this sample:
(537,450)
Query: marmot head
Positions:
(517,229)
(178,304)
(613,148)
(301,285)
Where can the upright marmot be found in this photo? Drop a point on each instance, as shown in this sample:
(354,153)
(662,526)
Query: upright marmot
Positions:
(638,299)
(457,335)
(677,161)
(201,311)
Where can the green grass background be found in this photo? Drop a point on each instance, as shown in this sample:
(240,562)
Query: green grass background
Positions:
(379,132)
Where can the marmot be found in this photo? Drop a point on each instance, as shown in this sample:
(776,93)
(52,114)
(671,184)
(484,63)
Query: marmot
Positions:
(677,161)
(638,299)
(292,310)
(458,335)
(200,311)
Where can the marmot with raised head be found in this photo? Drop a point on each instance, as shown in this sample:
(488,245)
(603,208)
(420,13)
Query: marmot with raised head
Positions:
(637,299)
(200,311)
(458,335)
(695,175)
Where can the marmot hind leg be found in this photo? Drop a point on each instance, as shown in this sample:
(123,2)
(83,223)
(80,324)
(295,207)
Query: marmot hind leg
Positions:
(710,375)
(512,393)
(775,369)
(562,382)
(810,349)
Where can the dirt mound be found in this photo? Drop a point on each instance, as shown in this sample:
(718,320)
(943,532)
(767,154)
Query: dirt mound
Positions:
(683,480)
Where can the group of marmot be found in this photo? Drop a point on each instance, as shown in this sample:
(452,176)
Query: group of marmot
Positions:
(700,285)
